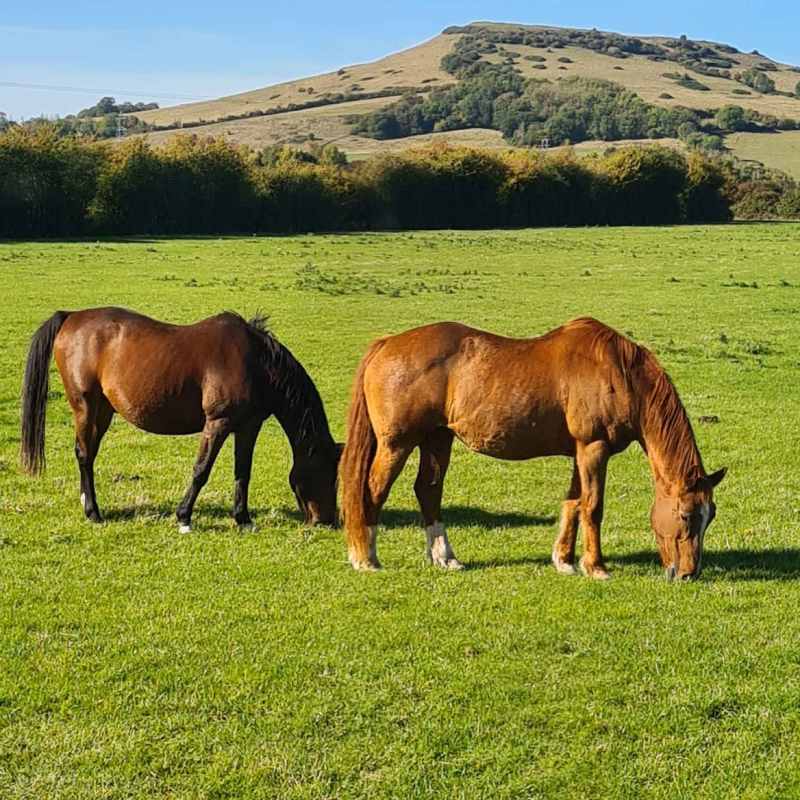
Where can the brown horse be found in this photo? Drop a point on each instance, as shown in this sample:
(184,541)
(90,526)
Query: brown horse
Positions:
(582,391)
(219,376)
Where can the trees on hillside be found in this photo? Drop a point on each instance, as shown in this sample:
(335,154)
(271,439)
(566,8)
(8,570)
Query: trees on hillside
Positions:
(731,118)
(757,80)
(493,96)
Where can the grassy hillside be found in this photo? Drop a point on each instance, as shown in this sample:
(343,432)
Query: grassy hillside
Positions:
(419,68)
(138,663)
(416,67)
(777,150)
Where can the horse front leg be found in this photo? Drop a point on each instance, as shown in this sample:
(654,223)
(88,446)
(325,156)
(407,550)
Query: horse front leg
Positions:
(434,458)
(213,437)
(592,460)
(244,444)
(387,465)
(564,546)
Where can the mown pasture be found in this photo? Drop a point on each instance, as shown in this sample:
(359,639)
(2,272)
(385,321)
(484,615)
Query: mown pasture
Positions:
(135,662)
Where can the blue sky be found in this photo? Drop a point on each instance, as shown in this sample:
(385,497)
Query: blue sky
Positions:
(174,50)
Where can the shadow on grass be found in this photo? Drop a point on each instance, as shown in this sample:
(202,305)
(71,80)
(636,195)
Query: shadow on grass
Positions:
(739,565)
(166,512)
(390,518)
(467,516)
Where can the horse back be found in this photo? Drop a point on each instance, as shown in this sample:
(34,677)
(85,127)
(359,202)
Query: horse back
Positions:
(161,377)
(509,398)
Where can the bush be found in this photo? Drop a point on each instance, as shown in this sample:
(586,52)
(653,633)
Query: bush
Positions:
(756,80)
(46,182)
(187,186)
(297,197)
(645,183)
(705,142)
(758,199)
(440,187)
(545,190)
(706,197)
(688,82)
(731,118)
(788,206)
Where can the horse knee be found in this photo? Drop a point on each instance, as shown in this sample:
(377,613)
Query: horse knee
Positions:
(81,454)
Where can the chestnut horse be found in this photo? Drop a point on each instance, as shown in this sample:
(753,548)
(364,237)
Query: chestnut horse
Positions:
(582,390)
(219,376)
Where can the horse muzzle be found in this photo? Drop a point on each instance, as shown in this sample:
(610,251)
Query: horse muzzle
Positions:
(671,574)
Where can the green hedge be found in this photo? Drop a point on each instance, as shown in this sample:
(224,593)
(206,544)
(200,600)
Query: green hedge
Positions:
(55,187)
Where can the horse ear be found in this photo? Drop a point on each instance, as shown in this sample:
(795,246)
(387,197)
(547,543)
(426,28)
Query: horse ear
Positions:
(716,477)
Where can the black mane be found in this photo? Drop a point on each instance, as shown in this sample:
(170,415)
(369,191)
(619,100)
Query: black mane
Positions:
(298,403)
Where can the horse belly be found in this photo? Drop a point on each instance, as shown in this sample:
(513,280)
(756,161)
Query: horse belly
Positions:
(175,413)
(516,438)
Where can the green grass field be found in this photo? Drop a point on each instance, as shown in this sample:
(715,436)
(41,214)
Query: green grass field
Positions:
(138,663)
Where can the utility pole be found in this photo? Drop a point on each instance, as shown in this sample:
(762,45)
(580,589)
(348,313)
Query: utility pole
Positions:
(120,127)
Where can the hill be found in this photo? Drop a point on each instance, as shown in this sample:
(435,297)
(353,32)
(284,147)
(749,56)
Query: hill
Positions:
(666,73)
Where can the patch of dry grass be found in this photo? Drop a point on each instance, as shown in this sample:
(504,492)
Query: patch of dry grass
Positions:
(777,150)
(408,68)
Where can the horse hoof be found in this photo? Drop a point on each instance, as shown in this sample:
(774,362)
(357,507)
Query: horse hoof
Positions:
(248,527)
(563,567)
(595,573)
(184,528)
(366,566)
(447,563)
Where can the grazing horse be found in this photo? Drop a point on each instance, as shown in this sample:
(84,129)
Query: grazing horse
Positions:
(582,390)
(219,376)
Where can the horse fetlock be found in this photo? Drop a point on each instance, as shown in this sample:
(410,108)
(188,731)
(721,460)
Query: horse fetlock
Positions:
(439,551)
(363,553)
(360,564)
(597,571)
(563,566)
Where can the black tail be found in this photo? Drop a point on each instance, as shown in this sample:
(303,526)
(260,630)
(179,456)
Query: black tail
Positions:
(34,393)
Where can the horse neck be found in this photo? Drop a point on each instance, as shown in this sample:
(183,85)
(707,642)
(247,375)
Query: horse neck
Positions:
(666,433)
(297,406)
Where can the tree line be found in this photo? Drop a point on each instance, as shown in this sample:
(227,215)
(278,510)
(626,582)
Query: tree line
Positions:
(52,186)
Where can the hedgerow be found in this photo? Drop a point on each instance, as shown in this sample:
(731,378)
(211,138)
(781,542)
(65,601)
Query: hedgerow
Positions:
(53,186)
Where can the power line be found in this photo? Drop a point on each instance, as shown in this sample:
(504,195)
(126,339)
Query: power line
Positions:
(97,92)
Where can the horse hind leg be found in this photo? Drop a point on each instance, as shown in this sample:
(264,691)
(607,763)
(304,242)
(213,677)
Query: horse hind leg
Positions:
(92,414)
(564,545)
(434,458)
(386,466)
